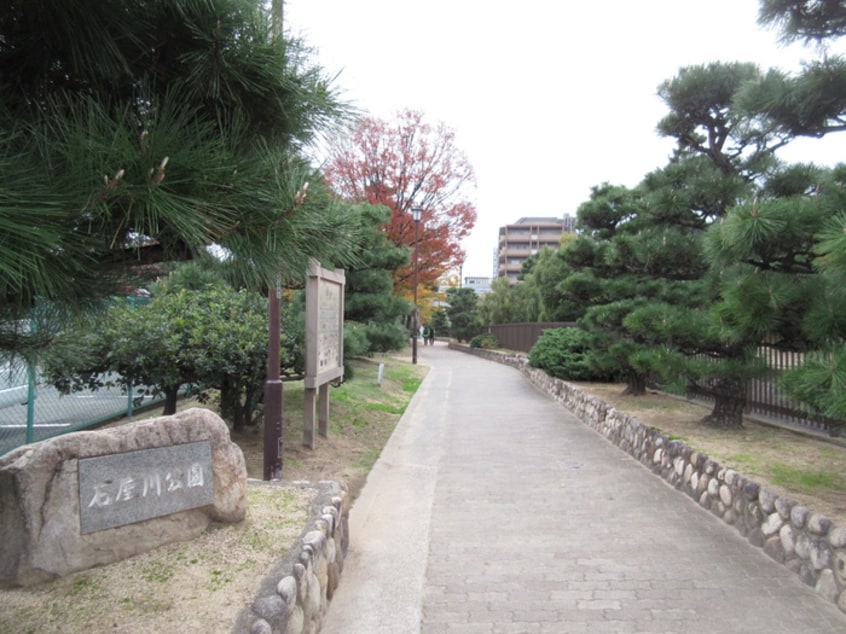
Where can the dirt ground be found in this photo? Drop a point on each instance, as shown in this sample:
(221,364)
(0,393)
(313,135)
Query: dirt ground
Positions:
(337,458)
(202,585)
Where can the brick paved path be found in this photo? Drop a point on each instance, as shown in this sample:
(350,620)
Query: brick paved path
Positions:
(494,510)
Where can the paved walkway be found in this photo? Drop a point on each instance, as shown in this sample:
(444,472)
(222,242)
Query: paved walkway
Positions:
(492,509)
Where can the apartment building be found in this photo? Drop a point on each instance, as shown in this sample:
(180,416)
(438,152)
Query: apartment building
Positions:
(524,238)
(480,285)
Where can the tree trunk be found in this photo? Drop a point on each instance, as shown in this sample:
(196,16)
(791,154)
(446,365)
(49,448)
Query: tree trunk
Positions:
(171,398)
(230,405)
(730,401)
(238,404)
(636,384)
(243,410)
(245,415)
(252,398)
(237,417)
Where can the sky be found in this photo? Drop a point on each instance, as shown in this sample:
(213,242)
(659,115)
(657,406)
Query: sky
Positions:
(547,98)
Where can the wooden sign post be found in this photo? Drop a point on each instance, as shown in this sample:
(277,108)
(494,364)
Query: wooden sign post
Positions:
(324,345)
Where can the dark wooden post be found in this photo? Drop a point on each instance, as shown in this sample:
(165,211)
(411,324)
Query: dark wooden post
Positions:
(273,437)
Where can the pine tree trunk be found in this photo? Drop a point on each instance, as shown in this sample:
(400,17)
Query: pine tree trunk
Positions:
(635,385)
(730,401)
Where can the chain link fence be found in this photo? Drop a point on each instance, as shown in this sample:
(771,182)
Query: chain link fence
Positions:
(32,410)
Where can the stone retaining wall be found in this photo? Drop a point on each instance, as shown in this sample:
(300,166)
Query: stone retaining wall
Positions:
(804,541)
(294,597)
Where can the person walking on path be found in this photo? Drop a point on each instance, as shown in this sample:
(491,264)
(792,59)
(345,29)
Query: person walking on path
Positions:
(493,509)
(429,335)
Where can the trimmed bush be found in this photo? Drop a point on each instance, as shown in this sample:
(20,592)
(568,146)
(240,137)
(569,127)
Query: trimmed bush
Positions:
(563,353)
(386,336)
(486,340)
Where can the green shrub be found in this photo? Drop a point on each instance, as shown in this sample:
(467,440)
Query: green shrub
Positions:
(486,340)
(563,353)
(386,336)
(362,340)
(356,343)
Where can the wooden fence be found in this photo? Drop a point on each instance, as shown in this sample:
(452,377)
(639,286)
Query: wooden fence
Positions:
(522,336)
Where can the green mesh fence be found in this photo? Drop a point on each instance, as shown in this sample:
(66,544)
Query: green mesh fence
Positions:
(32,410)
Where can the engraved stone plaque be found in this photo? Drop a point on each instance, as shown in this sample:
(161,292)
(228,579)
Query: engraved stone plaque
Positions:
(125,488)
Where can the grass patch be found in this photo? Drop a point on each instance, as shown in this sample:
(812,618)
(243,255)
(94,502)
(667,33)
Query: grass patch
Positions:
(145,605)
(369,458)
(84,586)
(157,571)
(219,579)
(352,402)
(385,407)
(743,458)
(279,501)
(411,384)
(362,415)
(804,479)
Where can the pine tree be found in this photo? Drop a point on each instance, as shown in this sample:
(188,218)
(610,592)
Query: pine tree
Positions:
(137,132)
(369,296)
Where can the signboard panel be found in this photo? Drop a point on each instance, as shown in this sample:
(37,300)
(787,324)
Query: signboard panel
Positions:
(324,344)
(324,326)
(329,331)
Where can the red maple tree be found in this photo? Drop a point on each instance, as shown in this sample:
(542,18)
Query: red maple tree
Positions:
(406,164)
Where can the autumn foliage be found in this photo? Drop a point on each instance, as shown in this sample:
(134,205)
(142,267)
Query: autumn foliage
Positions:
(406,164)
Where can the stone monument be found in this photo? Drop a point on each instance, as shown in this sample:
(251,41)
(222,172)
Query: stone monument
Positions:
(93,497)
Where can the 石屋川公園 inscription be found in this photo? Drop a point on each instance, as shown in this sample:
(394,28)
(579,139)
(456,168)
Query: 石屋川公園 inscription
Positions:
(125,488)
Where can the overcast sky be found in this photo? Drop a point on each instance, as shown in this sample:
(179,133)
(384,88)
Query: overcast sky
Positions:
(547,98)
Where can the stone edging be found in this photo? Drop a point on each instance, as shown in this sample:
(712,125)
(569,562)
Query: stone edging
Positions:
(294,597)
(805,542)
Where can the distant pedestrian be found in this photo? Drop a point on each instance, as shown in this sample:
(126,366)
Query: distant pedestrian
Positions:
(430,335)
